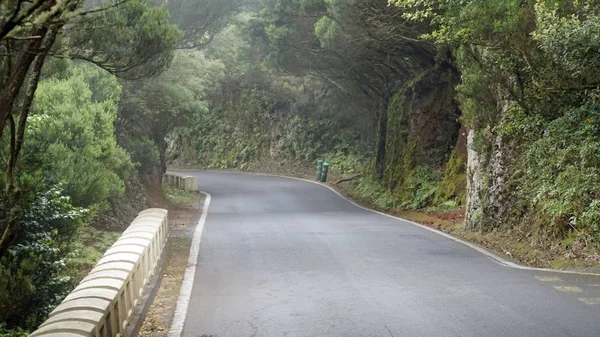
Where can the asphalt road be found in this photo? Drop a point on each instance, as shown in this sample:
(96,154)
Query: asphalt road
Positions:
(281,257)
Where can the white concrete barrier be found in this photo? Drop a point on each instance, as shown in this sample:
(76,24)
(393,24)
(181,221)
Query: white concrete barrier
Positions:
(182,181)
(103,303)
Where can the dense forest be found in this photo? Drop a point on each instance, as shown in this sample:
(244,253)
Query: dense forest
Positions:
(491,106)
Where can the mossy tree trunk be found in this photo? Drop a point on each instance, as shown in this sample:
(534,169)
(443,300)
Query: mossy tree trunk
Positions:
(381,141)
(17,133)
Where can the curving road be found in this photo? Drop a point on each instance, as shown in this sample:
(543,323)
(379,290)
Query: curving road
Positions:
(282,257)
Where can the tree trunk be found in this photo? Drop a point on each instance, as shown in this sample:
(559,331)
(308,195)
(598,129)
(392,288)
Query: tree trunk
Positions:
(381,142)
(12,197)
(13,194)
(18,74)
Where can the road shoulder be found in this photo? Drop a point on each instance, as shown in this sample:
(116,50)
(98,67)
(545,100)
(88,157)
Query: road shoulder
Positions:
(182,221)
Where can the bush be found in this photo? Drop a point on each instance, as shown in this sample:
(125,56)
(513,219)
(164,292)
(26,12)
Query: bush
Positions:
(32,278)
(145,152)
(374,192)
(561,172)
(71,138)
(416,192)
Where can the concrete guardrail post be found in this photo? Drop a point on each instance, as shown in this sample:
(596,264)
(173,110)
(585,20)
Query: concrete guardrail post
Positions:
(187,183)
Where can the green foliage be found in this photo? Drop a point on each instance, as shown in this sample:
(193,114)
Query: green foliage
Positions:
(7,332)
(326,30)
(417,190)
(70,156)
(32,275)
(561,172)
(87,250)
(522,128)
(229,134)
(71,150)
(572,40)
(232,133)
(346,163)
(132,40)
(201,20)
(454,185)
(180,196)
(253,113)
(144,152)
(71,136)
(527,77)
(293,80)
(311,137)
(466,21)
(380,196)
(312,5)
(476,91)
(399,149)
(156,107)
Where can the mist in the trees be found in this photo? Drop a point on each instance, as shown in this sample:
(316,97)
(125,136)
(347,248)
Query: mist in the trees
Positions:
(488,107)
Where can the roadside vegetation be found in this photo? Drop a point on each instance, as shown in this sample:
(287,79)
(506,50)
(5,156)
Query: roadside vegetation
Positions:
(179,196)
(480,117)
(74,170)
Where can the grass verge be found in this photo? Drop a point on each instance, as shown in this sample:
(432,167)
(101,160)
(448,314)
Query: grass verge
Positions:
(179,196)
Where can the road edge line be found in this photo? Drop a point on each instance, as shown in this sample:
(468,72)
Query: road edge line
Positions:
(185,292)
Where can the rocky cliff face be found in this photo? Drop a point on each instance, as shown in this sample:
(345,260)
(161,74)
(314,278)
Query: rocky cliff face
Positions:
(475,183)
(499,196)
(424,116)
(490,159)
(422,131)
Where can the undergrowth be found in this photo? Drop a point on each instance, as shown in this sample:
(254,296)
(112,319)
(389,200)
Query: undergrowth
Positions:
(180,196)
(417,191)
(89,247)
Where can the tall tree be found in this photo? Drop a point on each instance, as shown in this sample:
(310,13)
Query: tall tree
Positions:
(120,36)
(365,48)
(201,20)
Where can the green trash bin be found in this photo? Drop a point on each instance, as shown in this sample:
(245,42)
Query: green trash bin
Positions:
(319,169)
(325,171)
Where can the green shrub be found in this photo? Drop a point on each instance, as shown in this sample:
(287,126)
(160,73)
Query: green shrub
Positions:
(424,186)
(87,249)
(416,192)
(144,152)
(374,192)
(32,274)
(17,332)
(561,172)
(71,139)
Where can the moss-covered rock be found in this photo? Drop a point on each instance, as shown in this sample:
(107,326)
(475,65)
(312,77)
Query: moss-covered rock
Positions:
(422,130)
(454,186)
